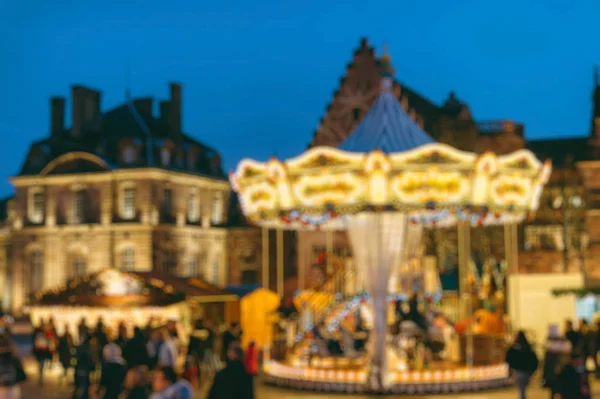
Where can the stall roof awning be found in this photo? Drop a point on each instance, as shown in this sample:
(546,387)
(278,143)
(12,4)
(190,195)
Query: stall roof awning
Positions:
(243,289)
(116,288)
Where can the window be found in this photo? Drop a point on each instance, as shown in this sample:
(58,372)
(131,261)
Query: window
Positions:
(165,156)
(169,261)
(128,210)
(78,266)
(127,259)
(191,160)
(193,207)
(79,206)
(36,271)
(192,266)
(216,266)
(167,202)
(217,208)
(36,207)
(129,154)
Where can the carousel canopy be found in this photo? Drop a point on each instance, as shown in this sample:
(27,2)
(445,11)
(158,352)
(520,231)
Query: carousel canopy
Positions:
(387,126)
(115,288)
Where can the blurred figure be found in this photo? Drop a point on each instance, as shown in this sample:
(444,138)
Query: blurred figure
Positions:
(251,359)
(210,360)
(66,346)
(587,339)
(83,331)
(84,367)
(121,336)
(231,335)
(523,361)
(136,351)
(574,337)
(136,383)
(153,348)
(167,353)
(113,371)
(166,386)
(557,354)
(222,386)
(11,371)
(44,348)
(574,380)
(191,371)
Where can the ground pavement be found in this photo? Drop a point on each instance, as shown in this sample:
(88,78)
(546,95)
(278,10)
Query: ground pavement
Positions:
(54,389)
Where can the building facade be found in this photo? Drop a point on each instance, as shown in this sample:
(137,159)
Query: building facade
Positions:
(121,188)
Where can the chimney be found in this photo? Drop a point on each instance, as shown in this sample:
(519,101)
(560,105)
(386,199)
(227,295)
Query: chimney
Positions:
(175,114)
(57,115)
(85,107)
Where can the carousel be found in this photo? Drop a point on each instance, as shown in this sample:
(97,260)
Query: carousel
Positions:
(385,184)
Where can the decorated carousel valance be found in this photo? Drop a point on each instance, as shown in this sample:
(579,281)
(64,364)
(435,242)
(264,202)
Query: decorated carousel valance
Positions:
(434,183)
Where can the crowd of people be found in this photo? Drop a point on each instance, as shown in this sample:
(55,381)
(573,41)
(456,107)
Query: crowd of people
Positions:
(145,364)
(569,359)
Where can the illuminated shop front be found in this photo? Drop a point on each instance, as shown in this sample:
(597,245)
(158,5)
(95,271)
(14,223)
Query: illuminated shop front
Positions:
(133,298)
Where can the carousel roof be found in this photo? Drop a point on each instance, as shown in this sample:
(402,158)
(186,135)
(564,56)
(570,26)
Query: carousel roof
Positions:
(387,126)
(115,288)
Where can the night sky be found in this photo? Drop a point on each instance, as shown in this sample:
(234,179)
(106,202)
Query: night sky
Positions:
(257,74)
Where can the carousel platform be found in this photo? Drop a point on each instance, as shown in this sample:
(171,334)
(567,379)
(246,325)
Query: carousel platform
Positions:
(438,378)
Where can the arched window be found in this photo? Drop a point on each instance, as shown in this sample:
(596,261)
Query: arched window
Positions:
(165,156)
(129,154)
(127,259)
(128,203)
(36,205)
(78,266)
(36,271)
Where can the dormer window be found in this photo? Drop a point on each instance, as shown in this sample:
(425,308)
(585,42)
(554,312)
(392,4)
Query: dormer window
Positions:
(217,208)
(192,159)
(129,154)
(193,206)
(36,205)
(165,156)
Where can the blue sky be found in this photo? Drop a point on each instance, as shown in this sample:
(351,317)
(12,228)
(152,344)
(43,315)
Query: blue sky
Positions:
(258,74)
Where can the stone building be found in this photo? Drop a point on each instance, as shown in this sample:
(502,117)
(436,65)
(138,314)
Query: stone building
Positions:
(121,188)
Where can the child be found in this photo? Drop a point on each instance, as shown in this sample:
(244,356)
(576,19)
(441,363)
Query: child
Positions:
(251,359)
(191,372)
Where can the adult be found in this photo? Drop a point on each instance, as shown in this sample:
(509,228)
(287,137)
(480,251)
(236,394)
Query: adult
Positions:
(136,352)
(573,380)
(166,386)
(232,334)
(556,356)
(83,331)
(43,349)
(222,386)
(574,337)
(11,370)
(167,353)
(121,339)
(136,383)
(66,346)
(113,371)
(251,359)
(84,366)
(523,361)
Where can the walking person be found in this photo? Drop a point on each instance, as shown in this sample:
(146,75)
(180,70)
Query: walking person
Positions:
(167,353)
(113,371)
(43,349)
(84,367)
(136,351)
(574,380)
(11,371)
(558,351)
(231,335)
(166,386)
(65,350)
(523,361)
(136,383)
(222,386)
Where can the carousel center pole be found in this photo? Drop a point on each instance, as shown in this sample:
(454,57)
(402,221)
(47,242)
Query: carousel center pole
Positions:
(265,258)
(329,254)
(466,300)
(511,254)
(280,262)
